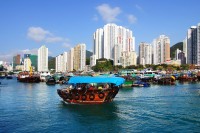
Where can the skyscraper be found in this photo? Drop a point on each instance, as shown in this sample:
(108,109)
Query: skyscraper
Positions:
(80,57)
(193,45)
(185,49)
(161,50)
(145,53)
(27,64)
(110,41)
(61,62)
(198,44)
(16,61)
(43,59)
(98,43)
(70,60)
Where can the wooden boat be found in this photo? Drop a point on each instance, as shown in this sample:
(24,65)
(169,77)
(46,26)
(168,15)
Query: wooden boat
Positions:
(91,90)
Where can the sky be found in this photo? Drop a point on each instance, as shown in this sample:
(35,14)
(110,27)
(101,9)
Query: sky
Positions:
(26,25)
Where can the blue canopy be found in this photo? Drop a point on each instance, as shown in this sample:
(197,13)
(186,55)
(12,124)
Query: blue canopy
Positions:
(99,79)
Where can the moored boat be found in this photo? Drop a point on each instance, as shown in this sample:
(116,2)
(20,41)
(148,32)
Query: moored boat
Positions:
(51,81)
(91,90)
(9,77)
(168,80)
(28,77)
(140,84)
(188,77)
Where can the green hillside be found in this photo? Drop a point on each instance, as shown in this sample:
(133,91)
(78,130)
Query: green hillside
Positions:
(88,54)
(179,46)
(51,62)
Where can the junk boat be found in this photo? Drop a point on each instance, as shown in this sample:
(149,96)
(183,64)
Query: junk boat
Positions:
(91,90)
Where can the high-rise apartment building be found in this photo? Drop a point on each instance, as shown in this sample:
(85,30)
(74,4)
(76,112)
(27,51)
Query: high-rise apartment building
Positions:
(93,60)
(161,50)
(79,57)
(27,64)
(16,61)
(177,51)
(110,41)
(43,59)
(185,48)
(70,60)
(193,45)
(61,62)
(145,53)
(98,43)
(198,44)
(128,59)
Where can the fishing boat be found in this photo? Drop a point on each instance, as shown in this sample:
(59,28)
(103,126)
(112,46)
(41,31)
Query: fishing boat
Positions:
(91,90)
(28,77)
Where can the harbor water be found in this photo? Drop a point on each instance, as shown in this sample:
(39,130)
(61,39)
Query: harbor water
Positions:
(37,108)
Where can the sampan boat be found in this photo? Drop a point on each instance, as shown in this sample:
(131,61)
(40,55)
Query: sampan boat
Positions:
(91,90)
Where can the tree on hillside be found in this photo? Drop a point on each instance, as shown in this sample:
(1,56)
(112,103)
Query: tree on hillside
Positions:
(176,46)
(87,61)
(1,68)
(51,63)
(103,65)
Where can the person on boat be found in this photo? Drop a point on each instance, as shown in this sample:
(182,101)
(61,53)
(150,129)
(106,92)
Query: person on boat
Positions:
(100,87)
(79,88)
(91,88)
(69,89)
(106,87)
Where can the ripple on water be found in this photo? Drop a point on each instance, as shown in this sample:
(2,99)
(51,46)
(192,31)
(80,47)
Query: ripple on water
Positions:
(38,108)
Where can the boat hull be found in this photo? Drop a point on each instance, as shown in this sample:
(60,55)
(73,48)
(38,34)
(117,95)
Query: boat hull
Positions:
(88,97)
(29,79)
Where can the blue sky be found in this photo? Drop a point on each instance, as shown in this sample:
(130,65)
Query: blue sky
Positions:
(26,25)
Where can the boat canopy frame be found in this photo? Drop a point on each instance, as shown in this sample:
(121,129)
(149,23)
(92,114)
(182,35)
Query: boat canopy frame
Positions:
(99,79)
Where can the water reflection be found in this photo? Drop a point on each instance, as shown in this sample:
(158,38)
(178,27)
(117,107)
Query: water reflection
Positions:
(102,111)
(104,117)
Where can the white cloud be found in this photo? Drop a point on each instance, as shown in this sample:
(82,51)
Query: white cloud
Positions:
(139,7)
(66,45)
(53,39)
(6,57)
(39,34)
(28,51)
(9,56)
(131,19)
(108,13)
